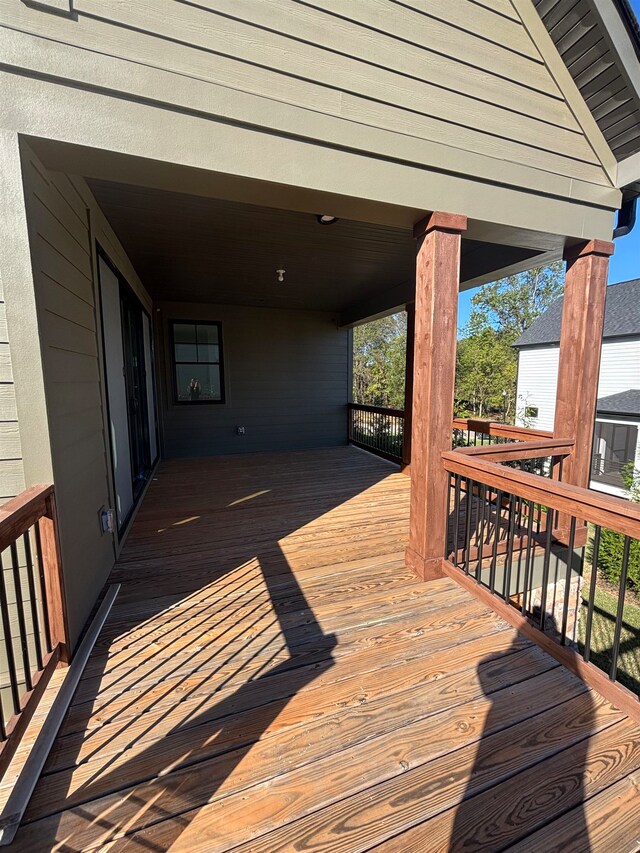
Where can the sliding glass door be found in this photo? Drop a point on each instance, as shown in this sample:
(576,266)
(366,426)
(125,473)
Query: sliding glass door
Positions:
(128,359)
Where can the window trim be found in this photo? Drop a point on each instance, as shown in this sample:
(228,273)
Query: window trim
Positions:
(174,380)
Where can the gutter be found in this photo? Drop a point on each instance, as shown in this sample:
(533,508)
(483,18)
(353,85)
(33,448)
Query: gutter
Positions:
(626,218)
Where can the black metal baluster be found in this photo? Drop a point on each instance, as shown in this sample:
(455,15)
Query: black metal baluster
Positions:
(8,640)
(545,568)
(567,583)
(615,650)
(520,502)
(22,625)
(592,592)
(528,556)
(37,638)
(483,508)
(494,558)
(456,519)
(506,580)
(3,728)
(467,526)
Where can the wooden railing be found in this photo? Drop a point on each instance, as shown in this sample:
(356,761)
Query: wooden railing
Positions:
(529,540)
(32,610)
(380,430)
(377,429)
(471,432)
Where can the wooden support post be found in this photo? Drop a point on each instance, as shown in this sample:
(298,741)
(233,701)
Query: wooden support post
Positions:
(579,360)
(408,388)
(436,315)
(54,581)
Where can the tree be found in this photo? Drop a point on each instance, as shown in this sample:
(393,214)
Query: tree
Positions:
(486,375)
(511,305)
(486,365)
(379,361)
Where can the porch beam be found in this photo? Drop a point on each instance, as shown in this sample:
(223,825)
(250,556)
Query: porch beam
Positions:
(436,315)
(580,347)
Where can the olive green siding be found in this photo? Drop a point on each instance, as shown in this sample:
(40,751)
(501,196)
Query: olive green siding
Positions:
(63,222)
(286,382)
(461,87)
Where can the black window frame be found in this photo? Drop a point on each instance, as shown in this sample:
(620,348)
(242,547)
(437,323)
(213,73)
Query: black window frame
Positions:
(220,363)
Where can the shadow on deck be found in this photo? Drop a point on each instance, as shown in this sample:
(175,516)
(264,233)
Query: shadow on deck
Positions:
(272,678)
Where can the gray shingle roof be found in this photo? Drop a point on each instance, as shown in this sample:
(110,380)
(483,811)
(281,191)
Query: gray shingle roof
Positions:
(624,403)
(621,317)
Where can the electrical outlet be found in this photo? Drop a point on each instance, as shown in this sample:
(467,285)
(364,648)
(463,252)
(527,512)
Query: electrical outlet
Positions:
(107,520)
(240,430)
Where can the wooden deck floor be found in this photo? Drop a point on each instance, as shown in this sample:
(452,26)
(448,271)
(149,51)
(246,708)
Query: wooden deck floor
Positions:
(271,678)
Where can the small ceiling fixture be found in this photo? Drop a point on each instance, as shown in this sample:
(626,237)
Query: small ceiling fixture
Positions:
(280,273)
(326,219)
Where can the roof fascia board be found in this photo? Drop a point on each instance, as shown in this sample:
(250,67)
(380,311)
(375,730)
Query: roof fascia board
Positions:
(565,82)
(629,170)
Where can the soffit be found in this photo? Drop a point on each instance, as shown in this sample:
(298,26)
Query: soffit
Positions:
(604,83)
(197,249)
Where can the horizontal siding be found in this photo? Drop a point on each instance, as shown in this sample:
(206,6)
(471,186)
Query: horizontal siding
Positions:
(619,366)
(537,386)
(538,377)
(58,210)
(463,74)
(286,376)
(12,480)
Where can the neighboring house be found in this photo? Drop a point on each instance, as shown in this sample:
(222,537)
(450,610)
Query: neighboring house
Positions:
(617,426)
(198,202)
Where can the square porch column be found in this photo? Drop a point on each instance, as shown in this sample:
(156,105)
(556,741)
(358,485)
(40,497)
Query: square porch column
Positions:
(434,369)
(585,292)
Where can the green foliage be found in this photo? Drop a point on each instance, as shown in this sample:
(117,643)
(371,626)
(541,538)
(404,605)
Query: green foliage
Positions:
(610,555)
(485,369)
(487,364)
(611,548)
(379,361)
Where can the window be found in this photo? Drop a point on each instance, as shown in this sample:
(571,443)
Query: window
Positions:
(531,412)
(197,361)
(614,447)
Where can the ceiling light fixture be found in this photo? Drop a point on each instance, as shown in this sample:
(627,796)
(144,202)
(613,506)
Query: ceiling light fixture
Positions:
(280,273)
(326,219)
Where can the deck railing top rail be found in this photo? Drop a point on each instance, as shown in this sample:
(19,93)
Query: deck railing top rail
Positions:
(590,506)
(500,430)
(377,410)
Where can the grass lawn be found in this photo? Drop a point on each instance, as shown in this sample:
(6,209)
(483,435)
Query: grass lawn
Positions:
(604,617)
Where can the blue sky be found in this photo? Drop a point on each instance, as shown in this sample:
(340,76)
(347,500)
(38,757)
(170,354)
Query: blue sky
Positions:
(624,264)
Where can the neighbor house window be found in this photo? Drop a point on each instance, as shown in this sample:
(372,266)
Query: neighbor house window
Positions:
(614,449)
(197,361)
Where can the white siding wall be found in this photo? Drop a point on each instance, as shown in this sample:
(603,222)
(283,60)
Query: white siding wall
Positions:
(619,367)
(538,377)
(537,384)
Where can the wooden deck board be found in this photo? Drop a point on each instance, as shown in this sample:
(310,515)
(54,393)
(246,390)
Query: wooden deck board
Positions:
(272,678)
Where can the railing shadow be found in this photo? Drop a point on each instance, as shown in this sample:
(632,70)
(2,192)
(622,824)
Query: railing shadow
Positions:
(480,822)
(245,656)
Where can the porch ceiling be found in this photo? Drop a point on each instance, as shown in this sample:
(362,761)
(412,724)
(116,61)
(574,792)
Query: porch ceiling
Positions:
(199,249)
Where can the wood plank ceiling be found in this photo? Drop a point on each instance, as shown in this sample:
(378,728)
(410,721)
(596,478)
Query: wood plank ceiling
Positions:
(615,105)
(188,248)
